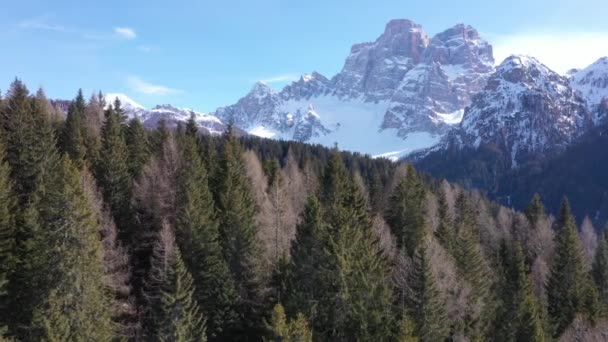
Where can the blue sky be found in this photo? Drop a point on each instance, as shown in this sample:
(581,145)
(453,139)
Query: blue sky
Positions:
(205,54)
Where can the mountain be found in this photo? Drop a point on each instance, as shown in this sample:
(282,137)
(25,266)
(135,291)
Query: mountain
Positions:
(171,114)
(591,83)
(401,92)
(531,130)
(525,109)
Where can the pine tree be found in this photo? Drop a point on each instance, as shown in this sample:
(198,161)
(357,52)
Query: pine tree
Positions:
(113,173)
(68,269)
(198,236)
(600,271)
(424,300)
(137,144)
(73,135)
(405,216)
(236,214)
(567,284)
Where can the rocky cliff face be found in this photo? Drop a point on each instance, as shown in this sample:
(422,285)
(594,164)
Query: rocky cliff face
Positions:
(433,95)
(374,70)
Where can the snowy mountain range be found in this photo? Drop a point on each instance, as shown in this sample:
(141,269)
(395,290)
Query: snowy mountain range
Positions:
(407,92)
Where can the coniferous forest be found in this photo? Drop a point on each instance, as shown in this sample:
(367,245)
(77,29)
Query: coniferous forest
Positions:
(110,231)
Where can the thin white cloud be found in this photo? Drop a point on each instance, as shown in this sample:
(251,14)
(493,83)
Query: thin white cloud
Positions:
(560,51)
(280,78)
(138,85)
(125,32)
(148,48)
(46,22)
(43,22)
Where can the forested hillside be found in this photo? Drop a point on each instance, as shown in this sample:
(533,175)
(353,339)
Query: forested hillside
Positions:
(111,232)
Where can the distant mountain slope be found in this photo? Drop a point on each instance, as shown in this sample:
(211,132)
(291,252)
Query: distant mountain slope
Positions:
(172,115)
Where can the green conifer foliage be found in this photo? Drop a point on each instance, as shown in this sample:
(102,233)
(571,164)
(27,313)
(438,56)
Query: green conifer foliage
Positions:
(405,216)
(283,331)
(241,249)
(424,300)
(567,284)
(180,319)
(519,317)
(8,233)
(113,173)
(138,146)
(600,271)
(198,236)
(74,132)
(354,295)
(29,140)
(406,331)
(445,230)
(535,210)
(69,265)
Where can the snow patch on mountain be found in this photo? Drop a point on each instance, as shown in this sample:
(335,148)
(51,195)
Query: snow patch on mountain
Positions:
(591,83)
(126,102)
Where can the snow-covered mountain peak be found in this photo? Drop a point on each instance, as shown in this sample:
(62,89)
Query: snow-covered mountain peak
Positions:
(592,82)
(525,108)
(260,89)
(125,101)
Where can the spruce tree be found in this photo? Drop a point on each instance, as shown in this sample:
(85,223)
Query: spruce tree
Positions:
(424,300)
(31,154)
(600,271)
(29,140)
(445,230)
(180,319)
(68,268)
(406,331)
(568,281)
(241,249)
(138,146)
(354,292)
(308,254)
(192,126)
(73,135)
(7,240)
(198,236)
(519,317)
(281,330)
(472,266)
(405,216)
(171,312)
(113,173)
(535,210)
